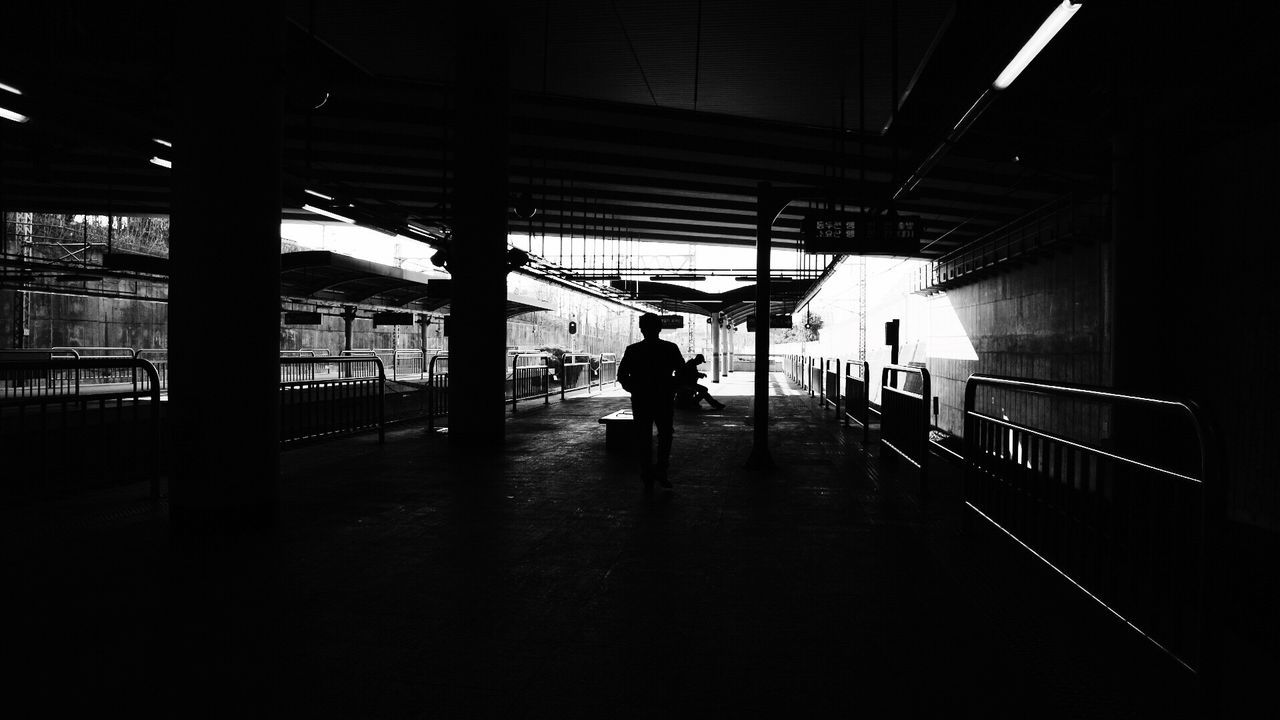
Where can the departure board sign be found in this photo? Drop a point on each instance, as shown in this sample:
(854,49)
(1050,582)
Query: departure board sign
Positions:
(301,317)
(671,322)
(392,318)
(776,320)
(850,234)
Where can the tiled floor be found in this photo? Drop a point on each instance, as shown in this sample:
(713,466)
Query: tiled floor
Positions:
(539,580)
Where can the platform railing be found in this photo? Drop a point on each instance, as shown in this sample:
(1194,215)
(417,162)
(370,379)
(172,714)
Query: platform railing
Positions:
(437,388)
(297,353)
(831,383)
(352,402)
(575,376)
(101,375)
(904,415)
(815,377)
(159,357)
(408,363)
(44,405)
(608,368)
(1139,535)
(530,379)
(857,395)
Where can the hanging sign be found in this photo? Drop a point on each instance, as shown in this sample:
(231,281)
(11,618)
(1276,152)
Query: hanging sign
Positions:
(671,322)
(852,234)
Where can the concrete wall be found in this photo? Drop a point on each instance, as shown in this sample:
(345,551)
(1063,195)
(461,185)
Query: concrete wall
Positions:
(1046,320)
(71,321)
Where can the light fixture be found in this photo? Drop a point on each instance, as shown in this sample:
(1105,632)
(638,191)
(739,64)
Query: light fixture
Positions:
(9,88)
(605,276)
(165,143)
(326,213)
(678,277)
(157,160)
(1050,27)
(774,278)
(8,114)
(322,196)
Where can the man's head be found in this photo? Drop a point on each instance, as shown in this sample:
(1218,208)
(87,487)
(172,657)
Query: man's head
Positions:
(699,359)
(650,326)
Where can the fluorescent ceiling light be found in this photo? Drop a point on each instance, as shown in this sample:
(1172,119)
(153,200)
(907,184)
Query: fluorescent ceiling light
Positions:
(11,115)
(1050,27)
(10,88)
(165,143)
(326,213)
(157,160)
(322,196)
(752,278)
(678,277)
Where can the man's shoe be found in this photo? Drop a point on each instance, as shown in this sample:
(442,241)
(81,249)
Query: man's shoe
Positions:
(662,478)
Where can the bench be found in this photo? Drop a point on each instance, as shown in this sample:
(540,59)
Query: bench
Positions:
(619,435)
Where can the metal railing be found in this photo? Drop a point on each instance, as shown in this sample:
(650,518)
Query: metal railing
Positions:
(904,415)
(159,357)
(575,376)
(44,403)
(437,388)
(315,408)
(608,368)
(1064,219)
(814,382)
(408,363)
(101,375)
(297,353)
(857,395)
(530,378)
(1138,536)
(831,384)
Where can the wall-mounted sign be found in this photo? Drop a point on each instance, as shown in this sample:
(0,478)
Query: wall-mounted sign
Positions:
(301,317)
(852,234)
(392,318)
(671,322)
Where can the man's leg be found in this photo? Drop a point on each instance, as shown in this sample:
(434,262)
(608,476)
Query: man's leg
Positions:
(662,415)
(643,425)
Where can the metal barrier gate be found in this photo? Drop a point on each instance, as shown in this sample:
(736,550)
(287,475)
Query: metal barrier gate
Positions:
(831,384)
(437,388)
(857,395)
(608,368)
(1141,539)
(59,428)
(530,379)
(352,402)
(904,416)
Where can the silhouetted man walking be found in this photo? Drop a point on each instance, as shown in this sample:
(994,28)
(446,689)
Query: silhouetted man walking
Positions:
(646,372)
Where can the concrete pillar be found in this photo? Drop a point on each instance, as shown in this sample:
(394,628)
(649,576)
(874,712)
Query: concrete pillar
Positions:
(225,260)
(477,253)
(732,337)
(348,320)
(715,348)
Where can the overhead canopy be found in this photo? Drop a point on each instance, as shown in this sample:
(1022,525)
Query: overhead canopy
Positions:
(342,279)
(737,304)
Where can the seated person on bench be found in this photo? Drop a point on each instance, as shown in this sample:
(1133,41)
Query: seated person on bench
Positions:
(689,393)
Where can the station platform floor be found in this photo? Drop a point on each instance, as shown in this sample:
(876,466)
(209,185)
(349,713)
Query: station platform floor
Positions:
(539,580)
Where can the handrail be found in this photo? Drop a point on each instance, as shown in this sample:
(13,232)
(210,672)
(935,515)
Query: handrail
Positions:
(43,383)
(831,384)
(857,396)
(904,417)
(437,388)
(530,379)
(297,353)
(1114,505)
(97,352)
(311,408)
